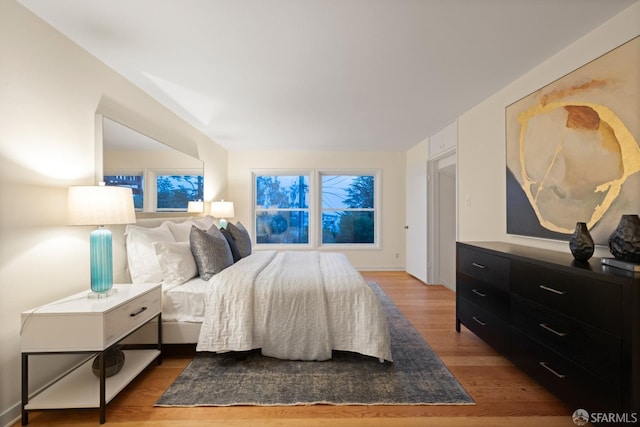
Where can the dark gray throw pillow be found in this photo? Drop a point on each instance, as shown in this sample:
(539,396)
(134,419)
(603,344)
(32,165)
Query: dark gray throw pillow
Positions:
(242,238)
(210,250)
(232,245)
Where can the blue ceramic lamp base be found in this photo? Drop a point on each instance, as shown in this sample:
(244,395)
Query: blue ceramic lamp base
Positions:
(101,254)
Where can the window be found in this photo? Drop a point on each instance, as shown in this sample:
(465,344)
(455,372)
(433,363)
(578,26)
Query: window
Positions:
(175,191)
(317,209)
(159,190)
(282,209)
(348,209)
(135,182)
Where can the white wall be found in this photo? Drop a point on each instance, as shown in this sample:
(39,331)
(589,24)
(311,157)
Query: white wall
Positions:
(392,165)
(50,90)
(481,135)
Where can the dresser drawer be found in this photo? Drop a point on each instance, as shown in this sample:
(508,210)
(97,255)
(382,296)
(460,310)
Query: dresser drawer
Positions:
(594,349)
(484,295)
(573,384)
(592,301)
(123,319)
(484,266)
(485,325)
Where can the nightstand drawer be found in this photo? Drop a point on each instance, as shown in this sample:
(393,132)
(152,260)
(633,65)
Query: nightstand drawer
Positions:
(121,320)
(592,301)
(77,323)
(485,267)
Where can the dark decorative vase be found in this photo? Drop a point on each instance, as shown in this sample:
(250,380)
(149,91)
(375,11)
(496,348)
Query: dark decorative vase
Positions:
(113,362)
(624,242)
(581,243)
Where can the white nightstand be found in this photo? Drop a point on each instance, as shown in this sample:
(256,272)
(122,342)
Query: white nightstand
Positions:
(77,324)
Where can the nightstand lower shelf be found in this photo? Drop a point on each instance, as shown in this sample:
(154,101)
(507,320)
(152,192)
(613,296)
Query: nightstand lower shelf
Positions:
(78,389)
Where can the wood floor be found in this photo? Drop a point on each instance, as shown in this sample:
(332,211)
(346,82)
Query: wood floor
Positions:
(504,396)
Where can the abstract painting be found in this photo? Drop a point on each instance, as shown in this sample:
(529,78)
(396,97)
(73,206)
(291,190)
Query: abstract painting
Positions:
(573,151)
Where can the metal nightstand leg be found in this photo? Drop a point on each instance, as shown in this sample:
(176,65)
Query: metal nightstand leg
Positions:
(103,383)
(25,387)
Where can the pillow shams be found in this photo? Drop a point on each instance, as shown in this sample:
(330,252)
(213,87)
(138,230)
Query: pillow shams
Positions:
(141,255)
(242,238)
(210,250)
(176,263)
(182,230)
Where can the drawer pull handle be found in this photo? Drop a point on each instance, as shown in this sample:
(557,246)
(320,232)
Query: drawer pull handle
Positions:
(553,331)
(555,291)
(477,292)
(475,264)
(143,309)
(554,372)
(480,322)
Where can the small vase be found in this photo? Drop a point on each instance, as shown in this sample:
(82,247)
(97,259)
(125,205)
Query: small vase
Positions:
(624,242)
(581,243)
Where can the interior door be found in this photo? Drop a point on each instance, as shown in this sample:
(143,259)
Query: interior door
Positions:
(416,228)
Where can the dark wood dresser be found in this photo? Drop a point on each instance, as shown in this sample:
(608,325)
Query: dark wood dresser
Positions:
(575,328)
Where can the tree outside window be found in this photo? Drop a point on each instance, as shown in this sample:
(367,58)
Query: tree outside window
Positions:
(175,191)
(348,209)
(282,209)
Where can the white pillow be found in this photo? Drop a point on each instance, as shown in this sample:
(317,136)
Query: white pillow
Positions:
(141,255)
(204,222)
(176,263)
(182,230)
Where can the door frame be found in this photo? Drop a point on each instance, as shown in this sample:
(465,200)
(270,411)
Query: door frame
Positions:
(433,245)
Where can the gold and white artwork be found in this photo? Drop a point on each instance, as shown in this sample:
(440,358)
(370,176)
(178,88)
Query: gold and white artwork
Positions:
(573,152)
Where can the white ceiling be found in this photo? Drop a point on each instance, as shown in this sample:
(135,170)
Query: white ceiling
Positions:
(323,74)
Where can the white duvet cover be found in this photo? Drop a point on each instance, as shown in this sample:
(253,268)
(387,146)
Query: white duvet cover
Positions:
(294,305)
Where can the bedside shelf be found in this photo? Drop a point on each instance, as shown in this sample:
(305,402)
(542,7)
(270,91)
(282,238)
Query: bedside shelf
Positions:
(78,388)
(78,325)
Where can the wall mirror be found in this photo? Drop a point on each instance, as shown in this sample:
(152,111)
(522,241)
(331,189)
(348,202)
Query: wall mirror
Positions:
(162,178)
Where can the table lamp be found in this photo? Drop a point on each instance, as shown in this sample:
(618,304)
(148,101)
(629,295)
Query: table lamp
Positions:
(222,210)
(195,206)
(100,205)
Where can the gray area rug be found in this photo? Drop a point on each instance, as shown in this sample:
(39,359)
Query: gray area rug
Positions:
(416,377)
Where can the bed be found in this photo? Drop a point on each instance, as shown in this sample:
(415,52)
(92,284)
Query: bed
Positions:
(299,305)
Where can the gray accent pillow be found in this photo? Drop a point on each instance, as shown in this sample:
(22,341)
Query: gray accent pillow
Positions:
(210,250)
(242,238)
(232,245)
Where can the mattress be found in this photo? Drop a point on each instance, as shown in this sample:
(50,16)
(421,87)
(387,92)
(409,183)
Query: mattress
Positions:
(185,303)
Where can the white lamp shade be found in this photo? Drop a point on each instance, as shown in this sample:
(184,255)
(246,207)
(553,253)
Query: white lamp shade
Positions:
(222,209)
(195,206)
(100,205)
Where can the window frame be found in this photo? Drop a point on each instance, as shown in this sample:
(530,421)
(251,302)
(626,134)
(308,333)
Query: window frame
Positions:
(315,209)
(310,210)
(377,177)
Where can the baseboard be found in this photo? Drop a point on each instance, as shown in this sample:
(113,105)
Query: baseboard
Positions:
(14,414)
(379,268)
(11,415)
